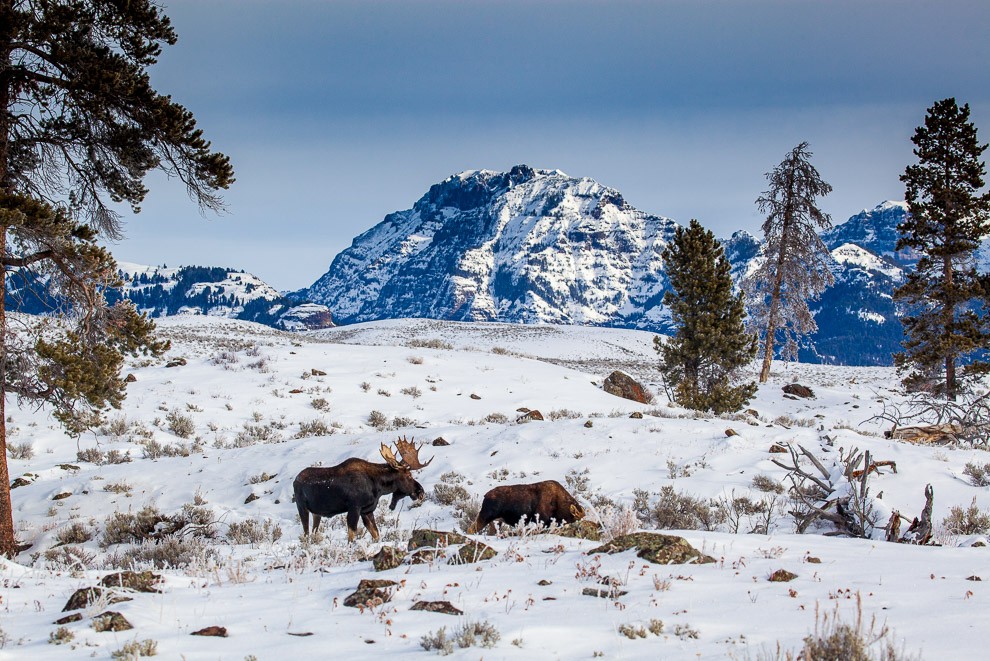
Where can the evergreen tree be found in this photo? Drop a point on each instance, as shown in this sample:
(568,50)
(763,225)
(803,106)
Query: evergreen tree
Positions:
(947,320)
(796,265)
(80,127)
(711,343)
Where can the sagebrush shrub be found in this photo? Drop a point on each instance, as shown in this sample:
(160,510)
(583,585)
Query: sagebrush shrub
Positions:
(969,521)
(978,475)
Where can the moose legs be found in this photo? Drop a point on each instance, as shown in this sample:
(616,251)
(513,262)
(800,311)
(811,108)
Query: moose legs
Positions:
(368,518)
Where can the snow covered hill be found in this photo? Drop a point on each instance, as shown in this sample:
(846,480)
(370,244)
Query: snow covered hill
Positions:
(539,246)
(160,291)
(208,450)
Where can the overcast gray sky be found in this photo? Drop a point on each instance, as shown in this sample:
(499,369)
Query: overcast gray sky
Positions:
(336,113)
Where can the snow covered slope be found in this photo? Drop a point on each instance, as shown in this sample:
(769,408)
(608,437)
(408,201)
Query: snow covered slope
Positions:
(216,443)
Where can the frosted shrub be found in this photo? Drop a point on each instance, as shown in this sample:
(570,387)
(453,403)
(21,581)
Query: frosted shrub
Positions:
(314,428)
(978,475)
(179,424)
(254,532)
(969,521)
(23,450)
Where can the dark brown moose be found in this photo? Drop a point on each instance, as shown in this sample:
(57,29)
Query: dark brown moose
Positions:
(542,500)
(354,486)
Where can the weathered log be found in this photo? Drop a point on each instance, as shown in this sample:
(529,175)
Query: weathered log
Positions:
(927,434)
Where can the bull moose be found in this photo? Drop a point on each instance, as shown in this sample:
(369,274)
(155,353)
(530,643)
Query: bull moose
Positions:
(354,487)
(543,501)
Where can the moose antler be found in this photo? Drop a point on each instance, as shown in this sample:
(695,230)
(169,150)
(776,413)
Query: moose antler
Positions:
(410,454)
(389,457)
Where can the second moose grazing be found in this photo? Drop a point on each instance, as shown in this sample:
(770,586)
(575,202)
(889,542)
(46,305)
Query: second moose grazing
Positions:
(354,486)
(543,501)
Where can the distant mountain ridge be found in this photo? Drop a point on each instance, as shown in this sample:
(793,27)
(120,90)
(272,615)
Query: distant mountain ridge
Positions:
(159,291)
(538,246)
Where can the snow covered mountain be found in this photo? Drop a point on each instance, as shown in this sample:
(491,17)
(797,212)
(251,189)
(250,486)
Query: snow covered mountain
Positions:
(160,291)
(218,292)
(538,246)
(521,246)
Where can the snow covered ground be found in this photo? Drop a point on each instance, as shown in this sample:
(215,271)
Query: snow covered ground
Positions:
(219,439)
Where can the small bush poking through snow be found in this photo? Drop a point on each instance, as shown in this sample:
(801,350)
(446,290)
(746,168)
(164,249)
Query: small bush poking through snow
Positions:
(135,649)
(378,420)
(675,511)
(432,343)
(969,521)
(180,425)
(23,450)
(60,636)
(767,484)
(74,533)
(978,475)
(314,427)
(253,532)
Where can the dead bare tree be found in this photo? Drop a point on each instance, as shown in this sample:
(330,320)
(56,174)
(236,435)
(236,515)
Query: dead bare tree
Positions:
(929,419)
(840,497)
(920,529)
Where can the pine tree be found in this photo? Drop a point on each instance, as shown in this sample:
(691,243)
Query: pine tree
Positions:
(711,342)
(80,127)
(796,265)
(947,320)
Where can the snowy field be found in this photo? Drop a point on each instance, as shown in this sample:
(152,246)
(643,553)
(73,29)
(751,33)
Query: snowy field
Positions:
(215,443)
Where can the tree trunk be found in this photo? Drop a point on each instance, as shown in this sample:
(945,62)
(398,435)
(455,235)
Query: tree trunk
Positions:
(948,316)
(772,315)
(8,546)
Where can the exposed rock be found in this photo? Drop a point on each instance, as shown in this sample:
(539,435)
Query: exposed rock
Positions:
(139,581)
(316,372)
(730,432)
(215,631)
(473,551)
(589,424)
(83,597)
(782,576)
(798,390)
(444,607)
(389,557)
(130,378)
(544,582)
(68,467)
(604,593)
(178,362)
(777,448)
(530,416)
(656,548)
(111,621)
(423,538)
(251,498)
(474,396)
(370,592)
(69,619)
(62,496)
(440,441)
(974,577)
(621,384)
(582,529)
(636,415)
(20,482)
(295,391)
